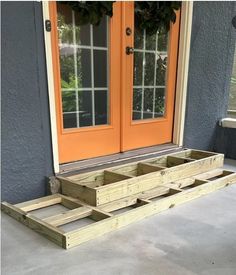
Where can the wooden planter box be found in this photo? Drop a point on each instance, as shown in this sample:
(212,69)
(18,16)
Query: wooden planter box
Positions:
(104,186)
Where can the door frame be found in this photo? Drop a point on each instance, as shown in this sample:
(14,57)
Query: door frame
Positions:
(181,81)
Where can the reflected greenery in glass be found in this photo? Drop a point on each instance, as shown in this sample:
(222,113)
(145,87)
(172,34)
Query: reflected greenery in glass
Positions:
(137,104)
(148,103)
(149,69)
(159,109)
(161,67)
(162,41)
(68,101)
(138,68)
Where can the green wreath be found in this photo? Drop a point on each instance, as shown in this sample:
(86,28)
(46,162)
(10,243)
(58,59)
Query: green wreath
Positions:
(155,15)
(150,15)
(90,12)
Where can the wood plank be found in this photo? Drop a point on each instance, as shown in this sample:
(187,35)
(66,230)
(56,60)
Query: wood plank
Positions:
(69,203)
(189,159)
(145,168)
(89,179)
(79,236)
(173,161)
(110,177)
(95,213)
(99,214)
(69,216)
(199,154)
(155,192)
(50,232)
(189,181)
(118,204)
(39,203)
(74,189)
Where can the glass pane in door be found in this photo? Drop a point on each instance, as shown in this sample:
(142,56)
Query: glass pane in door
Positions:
(84,70)
(149,74)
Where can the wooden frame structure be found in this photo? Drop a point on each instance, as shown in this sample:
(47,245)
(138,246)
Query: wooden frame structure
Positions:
(198,174)
(104,186)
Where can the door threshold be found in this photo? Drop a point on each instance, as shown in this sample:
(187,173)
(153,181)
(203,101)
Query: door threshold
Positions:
(93,164)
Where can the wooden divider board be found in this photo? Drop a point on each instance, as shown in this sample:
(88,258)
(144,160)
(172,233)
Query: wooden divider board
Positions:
(144,204)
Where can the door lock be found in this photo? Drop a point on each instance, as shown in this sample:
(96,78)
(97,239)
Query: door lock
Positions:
(129,50)
(128,31)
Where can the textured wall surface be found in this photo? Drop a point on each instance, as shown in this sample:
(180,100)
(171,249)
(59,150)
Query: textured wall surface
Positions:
(226,141)
(26,145)
(210,67)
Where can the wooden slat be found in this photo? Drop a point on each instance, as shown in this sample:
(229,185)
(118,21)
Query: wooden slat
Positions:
(69,203)
(145,168)
(39,203)
(189,159)
(74,189)
(155,192)
(118,204)
(173,161)
(99,214)
(110,177)
(189,181)
(69,216)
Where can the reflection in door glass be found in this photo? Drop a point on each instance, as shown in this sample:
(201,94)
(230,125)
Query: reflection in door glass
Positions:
(100,107)
(149,80)
(83,67)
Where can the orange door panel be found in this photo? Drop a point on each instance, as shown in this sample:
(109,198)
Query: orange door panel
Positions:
(138,114)
(146,132)
(87,142)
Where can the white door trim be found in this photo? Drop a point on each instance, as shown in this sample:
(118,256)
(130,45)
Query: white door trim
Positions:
(182,71)
(181,86)
(51,93)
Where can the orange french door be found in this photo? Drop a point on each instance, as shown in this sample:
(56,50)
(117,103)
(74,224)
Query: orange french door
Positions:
(111,98)
(85,128)
(148,84)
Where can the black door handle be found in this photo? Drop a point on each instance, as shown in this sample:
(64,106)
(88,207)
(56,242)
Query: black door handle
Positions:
(129,50)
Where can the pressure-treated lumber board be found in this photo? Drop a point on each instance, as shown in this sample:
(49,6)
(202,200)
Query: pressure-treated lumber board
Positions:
(69,216)
(146,168)
(110,177)
(39,203)
(52,233)
(85,193)
(172,161)
(87,233)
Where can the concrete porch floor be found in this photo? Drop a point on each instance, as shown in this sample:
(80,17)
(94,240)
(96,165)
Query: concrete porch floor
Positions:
(198,237)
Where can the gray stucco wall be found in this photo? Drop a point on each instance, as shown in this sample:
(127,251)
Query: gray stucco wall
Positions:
(226,141)
(210,67)
(26,146)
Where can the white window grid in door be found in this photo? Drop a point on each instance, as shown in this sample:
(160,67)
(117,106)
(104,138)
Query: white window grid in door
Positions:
(93,89)
(157,54)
